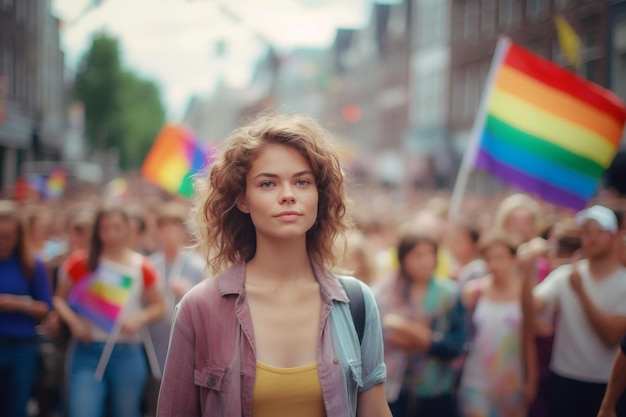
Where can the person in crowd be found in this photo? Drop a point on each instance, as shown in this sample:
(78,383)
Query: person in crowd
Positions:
(520,216)
(462,241)
(497,378)
(138,230)
(562,247)
(617,383)
(424,330)
(180,269)
(591,315)
(273,334)
(434,223)
(112,274)
(51,390)
(25,299)
(358,260)
(37,226)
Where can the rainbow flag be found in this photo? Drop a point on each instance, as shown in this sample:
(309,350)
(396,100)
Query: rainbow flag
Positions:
(56,183)
(174,158)
(101,297)
(546,130)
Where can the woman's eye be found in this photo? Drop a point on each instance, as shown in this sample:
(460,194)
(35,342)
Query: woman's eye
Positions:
(266,184)
(303,182)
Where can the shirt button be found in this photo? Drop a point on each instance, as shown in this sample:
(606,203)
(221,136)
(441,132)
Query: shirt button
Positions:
(211,381)
(336,361)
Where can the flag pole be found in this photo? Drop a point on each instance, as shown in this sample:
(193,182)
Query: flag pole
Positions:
(469,157)
(112,339)
(108,349)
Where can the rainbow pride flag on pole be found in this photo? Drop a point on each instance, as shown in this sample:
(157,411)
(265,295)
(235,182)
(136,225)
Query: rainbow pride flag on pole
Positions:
(543,129)
(174,158)
(101,297)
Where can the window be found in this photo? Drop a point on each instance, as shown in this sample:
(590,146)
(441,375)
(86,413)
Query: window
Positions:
(564,4)
(471,95)
(618,83)
(509,13)
(470,24)
(432,21)
(430,92)
(536,10)
(488,17)
(458,93)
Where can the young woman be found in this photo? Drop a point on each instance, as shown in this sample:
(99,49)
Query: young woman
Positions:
(497,377)
(463,240)
(24,299)
(116,272)
(424,331)
(272,334)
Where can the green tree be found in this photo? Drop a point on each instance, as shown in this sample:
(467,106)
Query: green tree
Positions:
(122,110)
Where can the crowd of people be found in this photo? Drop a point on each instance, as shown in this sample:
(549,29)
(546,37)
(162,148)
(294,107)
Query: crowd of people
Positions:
(230,303)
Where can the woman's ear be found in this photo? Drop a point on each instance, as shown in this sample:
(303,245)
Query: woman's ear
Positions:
(242,205)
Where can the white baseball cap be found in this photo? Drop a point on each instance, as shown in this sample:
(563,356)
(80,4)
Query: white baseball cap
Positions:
(604,216)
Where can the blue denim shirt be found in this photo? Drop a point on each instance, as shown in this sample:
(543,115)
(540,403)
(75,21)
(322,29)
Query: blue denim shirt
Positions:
(211,364)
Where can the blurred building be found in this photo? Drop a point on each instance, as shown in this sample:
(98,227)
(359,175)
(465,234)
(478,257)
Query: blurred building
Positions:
(367,105)
(616,68)
(213,117)
(477,24)
(428,141)
(32,89)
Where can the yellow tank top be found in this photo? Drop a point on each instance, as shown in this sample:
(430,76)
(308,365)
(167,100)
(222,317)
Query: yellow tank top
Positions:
(287,392)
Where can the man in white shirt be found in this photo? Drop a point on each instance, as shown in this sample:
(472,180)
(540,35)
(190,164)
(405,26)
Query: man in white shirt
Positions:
(590,297)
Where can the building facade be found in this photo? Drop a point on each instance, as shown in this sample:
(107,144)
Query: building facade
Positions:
(32,97)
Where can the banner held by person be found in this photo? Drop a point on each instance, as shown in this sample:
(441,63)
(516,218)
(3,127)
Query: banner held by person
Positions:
(174,158)
(542,129)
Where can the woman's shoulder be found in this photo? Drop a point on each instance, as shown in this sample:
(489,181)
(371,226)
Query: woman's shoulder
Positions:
(76,265)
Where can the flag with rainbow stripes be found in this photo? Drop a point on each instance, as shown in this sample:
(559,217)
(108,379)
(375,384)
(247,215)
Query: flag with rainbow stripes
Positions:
(101,297)
(546,130)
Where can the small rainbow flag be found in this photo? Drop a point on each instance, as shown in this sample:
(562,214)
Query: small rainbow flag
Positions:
(55,185)
(546,130)
(174,158)
(101,297)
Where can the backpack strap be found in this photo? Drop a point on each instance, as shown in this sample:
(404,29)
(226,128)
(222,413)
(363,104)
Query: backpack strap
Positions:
(357,303)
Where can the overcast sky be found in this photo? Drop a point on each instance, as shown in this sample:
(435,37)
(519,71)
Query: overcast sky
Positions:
(174,41)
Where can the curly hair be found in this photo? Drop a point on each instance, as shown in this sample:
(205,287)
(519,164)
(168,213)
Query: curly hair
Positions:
(225,235)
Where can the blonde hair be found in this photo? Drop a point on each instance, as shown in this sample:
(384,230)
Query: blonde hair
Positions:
(513,202)
(225,235)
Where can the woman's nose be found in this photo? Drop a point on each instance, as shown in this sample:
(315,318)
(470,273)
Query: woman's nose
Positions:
(287,195)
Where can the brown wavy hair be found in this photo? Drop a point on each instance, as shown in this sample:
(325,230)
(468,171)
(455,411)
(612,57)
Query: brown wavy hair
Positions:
(224,235)
(9,210)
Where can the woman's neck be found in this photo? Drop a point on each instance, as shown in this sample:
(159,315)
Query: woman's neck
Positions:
(118,254)
(170,253)
(284,261)
(503,282)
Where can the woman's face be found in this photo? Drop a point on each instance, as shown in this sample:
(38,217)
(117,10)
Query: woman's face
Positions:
(521,223)
(172,234)
(499,259)
(281,194)
(420,262)
(8,237)
(40,228)
(113,231)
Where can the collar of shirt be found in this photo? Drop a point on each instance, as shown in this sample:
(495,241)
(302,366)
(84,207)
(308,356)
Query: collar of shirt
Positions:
(232,282)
